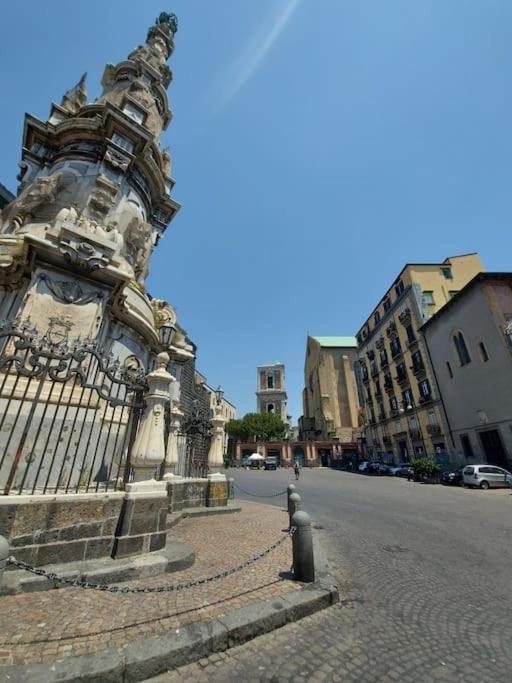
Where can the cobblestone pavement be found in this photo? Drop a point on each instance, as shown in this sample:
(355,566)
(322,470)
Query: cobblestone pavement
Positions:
(73,621)
(424,574)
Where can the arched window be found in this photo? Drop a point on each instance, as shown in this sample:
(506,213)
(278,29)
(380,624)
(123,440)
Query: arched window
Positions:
(461,348)
(270,382)
(270,407)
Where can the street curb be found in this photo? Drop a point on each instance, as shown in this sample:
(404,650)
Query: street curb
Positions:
(143,658)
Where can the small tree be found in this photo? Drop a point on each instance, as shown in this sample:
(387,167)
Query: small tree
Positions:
(259,426)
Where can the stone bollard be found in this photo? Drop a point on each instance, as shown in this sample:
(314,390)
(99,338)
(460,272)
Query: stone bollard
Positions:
(291,489)
(231,489)
(293,505)
(4,554)
(302,541)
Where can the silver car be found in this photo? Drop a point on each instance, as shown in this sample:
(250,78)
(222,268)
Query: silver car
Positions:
(486,476)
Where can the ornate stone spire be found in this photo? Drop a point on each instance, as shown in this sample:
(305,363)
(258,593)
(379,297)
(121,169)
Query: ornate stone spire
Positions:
(76,97)
(137,86)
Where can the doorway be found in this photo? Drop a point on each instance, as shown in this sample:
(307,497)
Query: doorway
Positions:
(493,448)
(298,456)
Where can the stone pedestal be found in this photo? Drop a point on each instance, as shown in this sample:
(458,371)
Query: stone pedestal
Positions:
(217,495)
(143,522)
(172,454)
(216,454)
(148,450)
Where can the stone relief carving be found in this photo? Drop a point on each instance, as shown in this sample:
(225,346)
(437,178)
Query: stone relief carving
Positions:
(163,312)
(116,159)
(69,291)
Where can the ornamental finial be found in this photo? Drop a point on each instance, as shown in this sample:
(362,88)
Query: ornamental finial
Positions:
(170,19)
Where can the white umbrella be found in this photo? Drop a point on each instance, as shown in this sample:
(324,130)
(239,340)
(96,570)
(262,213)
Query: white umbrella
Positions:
(255,456)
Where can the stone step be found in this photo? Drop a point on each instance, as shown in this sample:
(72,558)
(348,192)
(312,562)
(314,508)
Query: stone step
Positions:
(173,558)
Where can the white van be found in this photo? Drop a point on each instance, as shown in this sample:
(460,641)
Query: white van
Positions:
(486,476)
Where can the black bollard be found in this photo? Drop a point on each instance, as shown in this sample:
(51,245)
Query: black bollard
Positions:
(4,554)
(302,541)
(293,505)
(289,491)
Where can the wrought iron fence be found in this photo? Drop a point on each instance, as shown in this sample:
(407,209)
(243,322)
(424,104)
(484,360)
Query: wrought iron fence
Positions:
(68,413)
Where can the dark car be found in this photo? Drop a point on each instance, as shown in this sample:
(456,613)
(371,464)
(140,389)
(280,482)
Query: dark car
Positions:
(270,462)
(452,478)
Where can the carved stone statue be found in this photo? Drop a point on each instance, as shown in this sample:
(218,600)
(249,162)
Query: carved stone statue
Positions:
(138,245)
(41,193)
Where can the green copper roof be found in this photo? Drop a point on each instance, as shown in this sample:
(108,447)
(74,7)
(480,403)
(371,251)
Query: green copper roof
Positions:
(350,342)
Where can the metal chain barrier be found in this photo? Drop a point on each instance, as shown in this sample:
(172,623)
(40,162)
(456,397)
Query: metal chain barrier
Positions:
(258,495)
(155,589)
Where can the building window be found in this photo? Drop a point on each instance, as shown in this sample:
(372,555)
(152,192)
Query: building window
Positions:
(407,399)
(393,403)
(447,273)
(270,408)
(134,112)
(270,382)
(449,368)
(466,445)
(411,337)
(424,387)
(461,348)
(432,418)
(376,317)
(387,305)
(399,288)
(122,142)
(427,298)
(383,358)
(452,293)
(483,352)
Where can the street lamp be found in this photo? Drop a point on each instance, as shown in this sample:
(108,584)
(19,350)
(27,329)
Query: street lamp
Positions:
(219,393)
(411,406)
(166,332)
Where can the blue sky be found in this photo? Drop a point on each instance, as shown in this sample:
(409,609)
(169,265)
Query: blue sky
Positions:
(317,146)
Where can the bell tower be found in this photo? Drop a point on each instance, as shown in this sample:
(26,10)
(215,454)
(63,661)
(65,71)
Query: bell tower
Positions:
(271,392)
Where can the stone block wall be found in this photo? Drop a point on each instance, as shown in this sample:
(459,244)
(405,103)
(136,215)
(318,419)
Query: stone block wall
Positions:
(143,525)
(67,528)
(183,494)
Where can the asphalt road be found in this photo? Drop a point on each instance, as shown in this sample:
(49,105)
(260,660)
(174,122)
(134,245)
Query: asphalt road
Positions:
(425,576)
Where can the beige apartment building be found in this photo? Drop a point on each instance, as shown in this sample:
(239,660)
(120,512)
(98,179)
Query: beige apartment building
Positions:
(403,410)
(330,397)
(470,346)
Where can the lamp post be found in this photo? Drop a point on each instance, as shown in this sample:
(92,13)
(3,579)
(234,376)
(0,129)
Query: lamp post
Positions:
(166,333)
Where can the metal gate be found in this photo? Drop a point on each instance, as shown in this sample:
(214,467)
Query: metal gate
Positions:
(68,414)
(193,443)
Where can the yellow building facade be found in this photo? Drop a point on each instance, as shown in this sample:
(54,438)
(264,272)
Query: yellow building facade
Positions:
(404,415)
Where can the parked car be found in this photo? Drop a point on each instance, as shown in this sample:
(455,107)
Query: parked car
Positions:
(452,478)
(486,476)
(382,468)
(363,467)
(394,469)
(404,471)
(270,462)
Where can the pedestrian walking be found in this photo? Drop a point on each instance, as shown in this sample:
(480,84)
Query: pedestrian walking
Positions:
(296,468)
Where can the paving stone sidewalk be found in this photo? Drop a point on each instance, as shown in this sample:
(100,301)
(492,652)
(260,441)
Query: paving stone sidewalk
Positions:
(73,621)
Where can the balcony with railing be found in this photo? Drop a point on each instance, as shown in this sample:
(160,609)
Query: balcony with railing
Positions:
(434,429)
(405,315)
(391,329)
(388,385)
(418,368)
(380,343)
(401,376)
(415,434)
(396,348)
